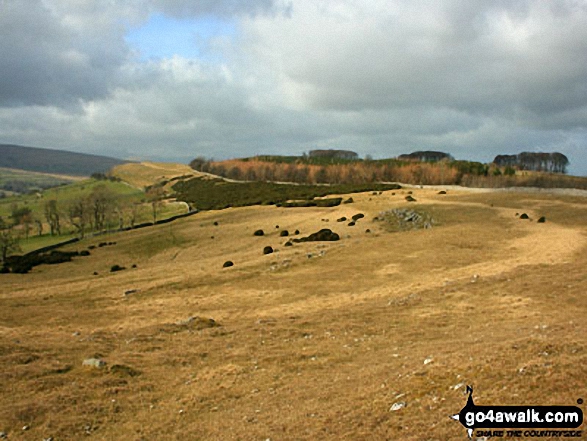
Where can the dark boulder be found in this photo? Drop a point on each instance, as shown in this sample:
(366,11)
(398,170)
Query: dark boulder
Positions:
(259,233)
(227,264)
(323,235)
(267,250)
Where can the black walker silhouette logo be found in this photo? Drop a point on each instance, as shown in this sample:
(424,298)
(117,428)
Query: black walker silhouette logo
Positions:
(474,417)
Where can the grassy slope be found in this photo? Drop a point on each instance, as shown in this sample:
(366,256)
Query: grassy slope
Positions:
(309,348)
(125,194)
(143,174)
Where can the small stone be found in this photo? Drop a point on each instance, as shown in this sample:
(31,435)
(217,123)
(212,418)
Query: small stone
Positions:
(3,435)
(94,362)
(397,406)
(25,428)
(428,360)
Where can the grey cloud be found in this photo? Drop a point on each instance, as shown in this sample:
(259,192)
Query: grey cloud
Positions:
(182,8)
(471,57)
(46,60)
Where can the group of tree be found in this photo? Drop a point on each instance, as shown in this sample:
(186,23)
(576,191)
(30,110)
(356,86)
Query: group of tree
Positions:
(421,167)
(535,161)
(426,156)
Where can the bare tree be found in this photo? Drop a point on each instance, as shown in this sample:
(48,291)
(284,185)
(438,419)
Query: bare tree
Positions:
(79,215)
(52,217)
(155,195)
(8,243)
(101,204)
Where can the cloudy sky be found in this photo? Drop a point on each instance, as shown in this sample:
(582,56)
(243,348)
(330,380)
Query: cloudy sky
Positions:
(175,79)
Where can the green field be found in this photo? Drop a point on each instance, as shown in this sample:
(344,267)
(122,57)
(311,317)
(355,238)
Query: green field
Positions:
(124,196)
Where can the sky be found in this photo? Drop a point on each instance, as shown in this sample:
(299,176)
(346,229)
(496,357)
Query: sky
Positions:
(175,79)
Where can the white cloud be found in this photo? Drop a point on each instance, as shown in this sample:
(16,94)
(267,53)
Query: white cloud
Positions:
(471,78)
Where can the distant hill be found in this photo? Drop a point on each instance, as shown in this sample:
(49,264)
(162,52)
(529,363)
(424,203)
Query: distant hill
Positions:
(54,161)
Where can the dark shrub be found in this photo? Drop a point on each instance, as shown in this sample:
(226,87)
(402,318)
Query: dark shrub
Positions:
(267,250)
(84,253)
(259,233)
(348,201)
(541,220)
(524,216)
(342,219)
(288,244)
(442,192)
(227,264)
(284,233)
(410,199)
(351,224)
(296,232)
(358,216)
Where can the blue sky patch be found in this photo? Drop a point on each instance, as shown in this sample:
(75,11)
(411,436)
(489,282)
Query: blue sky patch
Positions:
(163,37)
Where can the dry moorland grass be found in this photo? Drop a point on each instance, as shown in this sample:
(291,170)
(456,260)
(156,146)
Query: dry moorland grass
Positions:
(307,348)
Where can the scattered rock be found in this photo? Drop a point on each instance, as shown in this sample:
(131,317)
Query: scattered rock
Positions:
(541,220)
(115,268)
(428,361)
(351,224)
(277,226)
(267,250)
(288,244)
(296,232)
(215,223)
(524,216)
(367,230)
(442,192)
(358,216)
(128,292)
(95,273)
(134,265)
(3,435)
(348,201)
(227,264)
(341,219)
(409,192)
(410,198)
(94,362)
(259,233)
(284,233)
(404,218)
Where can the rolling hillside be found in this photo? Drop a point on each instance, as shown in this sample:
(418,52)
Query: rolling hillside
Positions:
(54,161)
(373,336)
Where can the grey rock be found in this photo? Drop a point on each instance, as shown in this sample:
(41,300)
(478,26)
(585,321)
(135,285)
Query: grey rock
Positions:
(94,362)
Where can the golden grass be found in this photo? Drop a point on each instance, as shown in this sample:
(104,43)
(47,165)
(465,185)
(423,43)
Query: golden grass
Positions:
(308,348)
(142,174)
